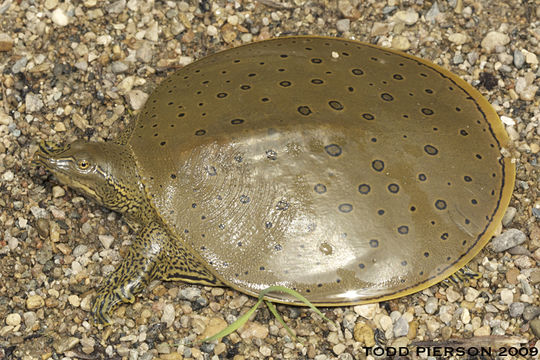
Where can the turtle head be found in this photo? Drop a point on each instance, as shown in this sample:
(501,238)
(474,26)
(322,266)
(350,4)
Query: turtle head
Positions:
(105,172)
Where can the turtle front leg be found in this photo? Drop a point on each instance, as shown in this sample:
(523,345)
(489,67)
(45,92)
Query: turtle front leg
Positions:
(154,255)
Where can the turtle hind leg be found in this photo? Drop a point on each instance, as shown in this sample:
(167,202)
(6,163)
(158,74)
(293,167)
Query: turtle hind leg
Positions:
(154,255)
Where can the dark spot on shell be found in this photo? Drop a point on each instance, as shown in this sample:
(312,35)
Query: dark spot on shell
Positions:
(467,178)
(427,111)
(245,87)
(431,150)
(428,91)
(478,156)
(333,150)
(373,139)
(261,268)
(474,201)
(393,188)
(237,121)
(374,243)
(265,99)
(271,154)
(458,109)
(440,204)
(244,199)
(444,236)
(316,81)
(368,116)
(162,143)
(463,132)
(239,243)
(345,208)
(316,60)
(282,205)
(221,95)
(283,55)
(173,176)
(403,229)
(285,83)
(268,225)
(361,266)
(200,132)
(404,263)
(181,115)
(387,97)
(221,226)
(336,105)
(357,71)
(320,188)
(278,247)
(377,165)
(422,177)
(380,212)
(304,110)
(194,205)
(426,254)
(364,189)
(397,77)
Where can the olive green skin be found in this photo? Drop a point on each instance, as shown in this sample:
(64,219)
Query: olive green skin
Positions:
(348,172)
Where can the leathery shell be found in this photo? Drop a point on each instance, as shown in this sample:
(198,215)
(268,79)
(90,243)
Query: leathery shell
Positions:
(346,171)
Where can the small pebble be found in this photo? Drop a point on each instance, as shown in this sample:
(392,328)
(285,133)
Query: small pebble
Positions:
(431,305)
(106,240)
(535,327)
(13,319)
(507,296)
(401,327)
(339,348)
(516,309)
(137,99)
(494,39)
(33,102)
(409,17)
(253,330)
(343,25)
(6,43)
(400,43)
(190,293)
(58,191)
(168,315)
(59,17)
(34,302)
(507,240)
(519,59)
(458,38)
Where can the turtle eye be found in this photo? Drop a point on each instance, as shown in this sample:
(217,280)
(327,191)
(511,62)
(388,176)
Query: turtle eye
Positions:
(83,164)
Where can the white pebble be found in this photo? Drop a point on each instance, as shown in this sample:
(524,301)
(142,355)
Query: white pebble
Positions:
(458,38)
(409,17)
(58,191)
(8,176)
(137,99)
(106,240)
(13,319)
(59,17)
(507,296)
(508,121)
(74,300)
(211,30)
(494,39)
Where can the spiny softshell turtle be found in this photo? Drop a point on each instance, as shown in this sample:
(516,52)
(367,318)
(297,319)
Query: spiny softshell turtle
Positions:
(346,171)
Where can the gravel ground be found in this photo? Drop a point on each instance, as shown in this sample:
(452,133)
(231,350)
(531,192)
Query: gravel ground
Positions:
(78,69)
